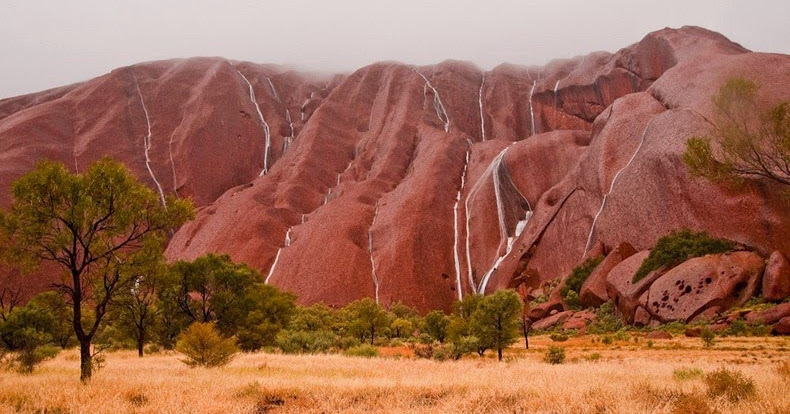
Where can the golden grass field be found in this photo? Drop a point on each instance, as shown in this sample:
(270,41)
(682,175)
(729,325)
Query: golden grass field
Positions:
(628,377)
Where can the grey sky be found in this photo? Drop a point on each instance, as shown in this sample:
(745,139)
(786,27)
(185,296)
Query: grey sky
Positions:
(44,44)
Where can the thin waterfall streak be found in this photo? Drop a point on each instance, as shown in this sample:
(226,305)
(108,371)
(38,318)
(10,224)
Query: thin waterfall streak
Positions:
(438,106)
(274,265)
(274,90)
(611,187)
(532,109)
(455,225)
(147,142)
(556,86)
(480,104)
(370,251)
(264,125)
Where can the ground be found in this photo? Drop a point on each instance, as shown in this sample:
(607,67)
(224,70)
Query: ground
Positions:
(627,377)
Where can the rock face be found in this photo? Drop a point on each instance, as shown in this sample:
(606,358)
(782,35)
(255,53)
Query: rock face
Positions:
(419,184)
(776,280)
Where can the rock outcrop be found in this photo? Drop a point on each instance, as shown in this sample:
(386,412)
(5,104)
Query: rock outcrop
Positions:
(776,280)
(421,184)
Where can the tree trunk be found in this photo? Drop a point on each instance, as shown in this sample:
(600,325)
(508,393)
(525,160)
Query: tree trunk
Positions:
(526,325)
(140,343)
(86,365)
(499,353)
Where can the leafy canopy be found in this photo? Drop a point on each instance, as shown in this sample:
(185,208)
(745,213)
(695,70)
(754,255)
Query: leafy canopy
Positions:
(745,142)
(679,246)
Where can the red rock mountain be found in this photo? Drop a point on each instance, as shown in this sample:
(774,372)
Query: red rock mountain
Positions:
(417,184)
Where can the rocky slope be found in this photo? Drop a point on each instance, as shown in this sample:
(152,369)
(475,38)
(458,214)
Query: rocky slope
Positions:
(417,184)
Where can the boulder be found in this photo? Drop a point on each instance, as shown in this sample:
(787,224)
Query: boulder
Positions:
(693,332)
(705,284)
(554,304)
(776,279)
(641,317)
(782,327)
(621,288)
(593,291)
(658,335)
(769,316)
(552,320)
(579,320)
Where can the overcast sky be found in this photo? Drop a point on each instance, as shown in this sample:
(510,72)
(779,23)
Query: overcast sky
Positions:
(44,44)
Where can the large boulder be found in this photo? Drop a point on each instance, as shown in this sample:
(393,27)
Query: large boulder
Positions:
(782,327)
(622,289)
(552,320)
(776,279)
(769,316)
(712,282)
(579,320)
(593,292)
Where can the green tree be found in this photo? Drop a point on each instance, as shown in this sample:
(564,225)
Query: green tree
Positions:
(257,319)
(435,324)
(138,307)
(747,143)
(53,304)
(211,284)
(365,318)
(497,320)
(97,227)
(459,329)
(401,327)
(26,331)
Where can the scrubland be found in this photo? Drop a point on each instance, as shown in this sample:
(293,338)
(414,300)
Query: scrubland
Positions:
(667,376)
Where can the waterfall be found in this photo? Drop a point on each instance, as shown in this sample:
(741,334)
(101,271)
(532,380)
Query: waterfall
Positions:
(507,196)
(441,113)
(480,104)
(531,109)
(370,251)
(271,270)
(455,228)
(265,126)
(611,187)
(274,90)
(556,86)
(147,142)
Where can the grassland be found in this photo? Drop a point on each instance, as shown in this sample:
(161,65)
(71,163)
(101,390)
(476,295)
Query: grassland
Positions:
(624,377)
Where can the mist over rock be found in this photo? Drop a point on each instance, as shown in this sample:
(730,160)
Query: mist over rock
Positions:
(420,184)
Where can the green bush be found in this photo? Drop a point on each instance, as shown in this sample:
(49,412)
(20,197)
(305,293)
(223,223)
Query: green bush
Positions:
(607,340)
(203,346)
(558,337)
(708,338)
(364,350)
(679,246)
(463,345)
(555,355)
(304,342)
(685,374)
(606,320)
(732,385)
(570,292)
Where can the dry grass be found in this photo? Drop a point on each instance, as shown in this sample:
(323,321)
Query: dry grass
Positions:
(627,378)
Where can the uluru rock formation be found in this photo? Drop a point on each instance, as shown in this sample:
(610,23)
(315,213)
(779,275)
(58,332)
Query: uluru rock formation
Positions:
(418,184)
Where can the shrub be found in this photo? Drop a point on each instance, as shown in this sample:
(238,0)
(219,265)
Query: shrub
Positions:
(579,274)
(423,351)
(442,353)
(558,337)
(364,350)
(555,355)
(708,338)
(679,246)
(684,374)
(732,385)
(592,357)
(203,346)
(606,320)
(463,345)
(650,343)
(298,342)
(607,340)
